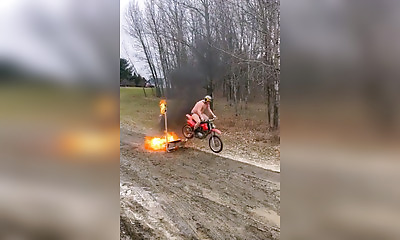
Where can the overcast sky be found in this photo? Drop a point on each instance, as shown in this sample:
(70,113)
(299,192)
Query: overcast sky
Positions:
(65,40)
(52,37)
(128,50)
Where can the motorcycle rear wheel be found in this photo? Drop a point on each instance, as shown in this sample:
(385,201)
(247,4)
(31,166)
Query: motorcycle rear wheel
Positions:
(215,144)
(187,131)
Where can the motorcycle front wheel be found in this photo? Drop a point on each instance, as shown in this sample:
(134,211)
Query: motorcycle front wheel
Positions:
(187,131)
(215,144)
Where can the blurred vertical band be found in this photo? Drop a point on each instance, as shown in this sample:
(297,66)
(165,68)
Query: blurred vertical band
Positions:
(59,119)
(340,119)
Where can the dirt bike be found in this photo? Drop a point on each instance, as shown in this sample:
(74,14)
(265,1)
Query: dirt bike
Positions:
(205,128)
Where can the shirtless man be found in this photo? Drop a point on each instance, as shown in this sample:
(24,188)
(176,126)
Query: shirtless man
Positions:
(198,111)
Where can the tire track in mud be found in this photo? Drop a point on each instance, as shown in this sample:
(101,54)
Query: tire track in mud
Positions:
(189,194)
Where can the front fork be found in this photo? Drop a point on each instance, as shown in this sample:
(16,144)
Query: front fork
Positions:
(212,139)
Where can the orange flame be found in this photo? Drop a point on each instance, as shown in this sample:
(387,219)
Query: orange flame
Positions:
(158,143)
(88,143)
(163,106)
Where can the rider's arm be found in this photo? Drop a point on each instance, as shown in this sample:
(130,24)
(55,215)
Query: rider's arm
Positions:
(209,109)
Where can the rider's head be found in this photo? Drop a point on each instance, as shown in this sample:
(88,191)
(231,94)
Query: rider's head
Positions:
(207,99)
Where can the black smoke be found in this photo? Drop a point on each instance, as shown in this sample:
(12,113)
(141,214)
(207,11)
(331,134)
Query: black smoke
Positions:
(192,82)
(188,87)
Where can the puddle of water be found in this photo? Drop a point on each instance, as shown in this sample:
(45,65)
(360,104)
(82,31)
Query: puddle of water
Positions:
(154,216)
(268,214)
(213,196)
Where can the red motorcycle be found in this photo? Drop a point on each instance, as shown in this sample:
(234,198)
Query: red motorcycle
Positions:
(202,132)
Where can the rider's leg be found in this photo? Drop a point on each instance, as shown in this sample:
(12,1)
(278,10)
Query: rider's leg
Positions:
(205,117)
(196,118)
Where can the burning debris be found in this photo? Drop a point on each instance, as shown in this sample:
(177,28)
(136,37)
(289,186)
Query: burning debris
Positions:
(159,143)
(167,143)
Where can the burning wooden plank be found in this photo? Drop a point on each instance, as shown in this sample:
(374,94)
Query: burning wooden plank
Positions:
(167,143)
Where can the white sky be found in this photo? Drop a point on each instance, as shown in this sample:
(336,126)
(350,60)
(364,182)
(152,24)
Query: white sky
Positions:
(20,38)
(127,49)
(21,44)
(51,37)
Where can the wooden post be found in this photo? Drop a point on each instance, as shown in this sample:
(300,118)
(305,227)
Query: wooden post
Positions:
(166,128)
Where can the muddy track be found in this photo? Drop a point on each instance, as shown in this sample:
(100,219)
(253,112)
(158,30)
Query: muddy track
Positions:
(189,194)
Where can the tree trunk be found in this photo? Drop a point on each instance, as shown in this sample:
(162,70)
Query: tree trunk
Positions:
(235,99)
(247,86)
(210,91)
(224,89)
(144,91)
(276,117)
(268,106)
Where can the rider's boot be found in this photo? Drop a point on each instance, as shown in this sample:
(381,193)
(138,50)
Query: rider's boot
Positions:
(197,132)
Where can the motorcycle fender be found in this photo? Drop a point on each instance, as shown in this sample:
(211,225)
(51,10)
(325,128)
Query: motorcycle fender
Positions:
(191,123)
(216,131)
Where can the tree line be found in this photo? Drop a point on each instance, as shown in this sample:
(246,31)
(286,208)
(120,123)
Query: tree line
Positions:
(236,43)
(129,77)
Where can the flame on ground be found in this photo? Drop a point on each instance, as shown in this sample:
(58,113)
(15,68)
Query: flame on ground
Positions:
(89,143)
(158,143)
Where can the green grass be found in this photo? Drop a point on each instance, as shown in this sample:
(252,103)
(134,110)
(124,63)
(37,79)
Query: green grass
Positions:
(134,106)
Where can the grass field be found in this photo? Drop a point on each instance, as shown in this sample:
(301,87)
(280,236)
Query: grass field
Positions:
(137,109)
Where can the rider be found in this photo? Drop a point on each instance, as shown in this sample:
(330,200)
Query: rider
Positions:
(198,111)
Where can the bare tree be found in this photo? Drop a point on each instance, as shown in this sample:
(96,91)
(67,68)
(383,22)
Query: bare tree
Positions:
(136,30)
(235,43)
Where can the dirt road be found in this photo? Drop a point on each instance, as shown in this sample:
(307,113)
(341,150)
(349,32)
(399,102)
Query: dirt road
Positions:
(190,194)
